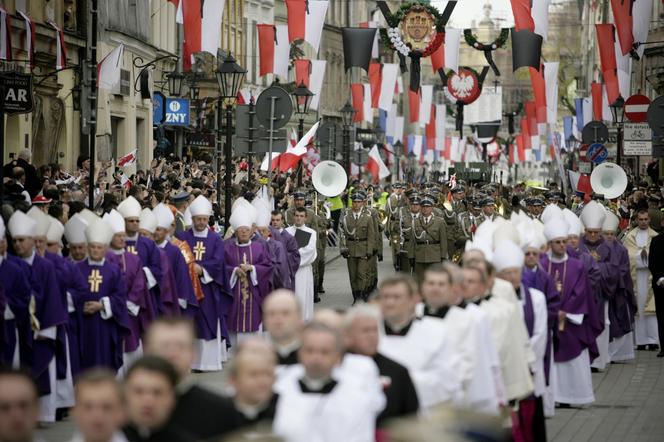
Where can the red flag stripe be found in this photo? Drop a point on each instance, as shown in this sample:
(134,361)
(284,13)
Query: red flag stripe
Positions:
(596,92)
(622,15)
(357,92)
(266,39)
(523,18)
(375,80)
(297,17)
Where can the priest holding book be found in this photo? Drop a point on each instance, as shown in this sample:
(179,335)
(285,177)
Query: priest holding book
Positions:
(304,278)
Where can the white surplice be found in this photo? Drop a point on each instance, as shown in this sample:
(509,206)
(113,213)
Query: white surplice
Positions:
(602,342)
(572,381)
(432,360)
(645,325)
(510,337)
(304,278)
(538,338)
(347,413)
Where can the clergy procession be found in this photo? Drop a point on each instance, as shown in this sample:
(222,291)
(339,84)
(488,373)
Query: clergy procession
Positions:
(470,249)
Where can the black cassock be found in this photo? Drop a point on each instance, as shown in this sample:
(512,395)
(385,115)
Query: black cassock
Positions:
(398,388)
(204,414)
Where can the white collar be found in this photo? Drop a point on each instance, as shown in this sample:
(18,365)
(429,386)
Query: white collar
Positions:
(285,350)
(315,384)
(118,251)
(132,238)
(96,263)
(201,234)
(30,259)
(556,260)
(162,244)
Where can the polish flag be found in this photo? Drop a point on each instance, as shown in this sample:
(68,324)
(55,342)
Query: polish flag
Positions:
(202,27)
(357,94)
(61,49)
(641,14)
(414,105)
(108,70)
(293,154)
(306,20)
(274,50)
(596,92)
(388,85)
(539,92)
(316,81)
(622,15)
(127,160)
(29,44)
(607,52)
(5,35)
(375,80)
(375,165)
(302,71)
(523,18)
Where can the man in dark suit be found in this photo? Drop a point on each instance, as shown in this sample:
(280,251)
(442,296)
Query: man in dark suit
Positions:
(361,329)
(656,267)
(200,412)
(32,184)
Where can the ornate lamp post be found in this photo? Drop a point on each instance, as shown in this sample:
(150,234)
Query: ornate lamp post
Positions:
(303,98)
(618,114)
(229,77)
(347,115)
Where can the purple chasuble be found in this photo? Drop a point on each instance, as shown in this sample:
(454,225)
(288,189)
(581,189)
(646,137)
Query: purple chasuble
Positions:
(183,287)
(215,306)
(51,311)
(576,298)
(246,312)
(280,269)
(101,339)
(622,306)
(292,251)
(168,288)
(16,287)
(148,252)
(137,294)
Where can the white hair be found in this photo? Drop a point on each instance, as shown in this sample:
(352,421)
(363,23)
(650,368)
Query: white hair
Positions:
(25,154)
(361,311)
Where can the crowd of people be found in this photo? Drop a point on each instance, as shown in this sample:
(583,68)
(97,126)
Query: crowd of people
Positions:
(502,302)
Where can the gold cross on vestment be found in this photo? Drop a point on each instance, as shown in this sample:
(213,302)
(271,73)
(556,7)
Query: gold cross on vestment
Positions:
(199,250)
(132,249)
(95,279)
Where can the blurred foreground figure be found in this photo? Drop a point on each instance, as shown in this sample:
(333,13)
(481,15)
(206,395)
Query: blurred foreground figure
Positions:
(19,406)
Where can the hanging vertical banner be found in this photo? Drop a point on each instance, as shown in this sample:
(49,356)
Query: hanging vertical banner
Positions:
(414,100)
(302,71)
(440,127)
(357,92)
(387,85)
(622,16)
(551,83)
(266,45)
(358,44)
(202,28)
(596,91)
(29,45)
(526,49)
(367,110)
(375,77)
(316,81)
(314,23)
(5,36)
(539,92)
(61,48)
(398,129)
(451,45)
(425,104)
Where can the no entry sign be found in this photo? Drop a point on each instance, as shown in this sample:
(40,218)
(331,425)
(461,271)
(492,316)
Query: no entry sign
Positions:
(636,108)
(583,153)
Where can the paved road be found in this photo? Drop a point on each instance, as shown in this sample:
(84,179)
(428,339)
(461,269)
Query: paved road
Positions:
(629,397)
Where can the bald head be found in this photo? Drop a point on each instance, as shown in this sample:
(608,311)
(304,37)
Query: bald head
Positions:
(252,372)
(473,255)
(330,318)
(282,316)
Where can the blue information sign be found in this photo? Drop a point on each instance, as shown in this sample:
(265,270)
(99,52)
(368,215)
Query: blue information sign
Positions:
(176,112)
(597,153)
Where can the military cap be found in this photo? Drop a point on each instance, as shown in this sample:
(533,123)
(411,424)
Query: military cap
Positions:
(427,201)
(182,196)
(537,201)
(298,195)
(358,196)
(458,189)
(488,201)
(415,200)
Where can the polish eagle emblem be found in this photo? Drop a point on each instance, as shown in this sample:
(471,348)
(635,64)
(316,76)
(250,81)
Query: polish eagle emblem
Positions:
(464,86)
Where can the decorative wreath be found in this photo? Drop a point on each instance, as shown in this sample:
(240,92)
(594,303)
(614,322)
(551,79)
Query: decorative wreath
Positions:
(487,48)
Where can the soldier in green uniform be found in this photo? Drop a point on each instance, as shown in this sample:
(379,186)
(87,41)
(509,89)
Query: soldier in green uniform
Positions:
(321,246)
(407,217)
(357,238)
(488,209)
(430,235)
(378,244)
(298,201)
(469,221)
(395,202)
(458,197)
(180,201)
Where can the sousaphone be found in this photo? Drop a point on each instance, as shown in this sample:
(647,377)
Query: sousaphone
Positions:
(609,179)
(329,178)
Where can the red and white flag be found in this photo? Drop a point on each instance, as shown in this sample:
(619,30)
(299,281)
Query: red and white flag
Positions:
(29,45)
(316,81)
(274,50)
(5,36)
(306,20)
(108,70)
(551,83)
(125,181)
(127,160)
(375,165)
(60,47)
(622,16)
(388,83)
(607,53)
(201,21)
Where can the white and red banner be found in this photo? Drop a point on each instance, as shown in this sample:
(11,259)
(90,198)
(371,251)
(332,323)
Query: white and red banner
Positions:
(316,81)
(108,70)
(306,20)
(388,85)
(274,50)
(551,84)
(425,104)
(5,36)
(29,44)
(60,47)
(201,20)
(127,160)
(375,165)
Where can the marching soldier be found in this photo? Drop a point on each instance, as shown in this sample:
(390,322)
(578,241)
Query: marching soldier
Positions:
(488,210)
(469,220)
(458,196)
(321,246)
(430,235)
(394,203)
(180,201)
(407,218)
(377,246)
(357,239)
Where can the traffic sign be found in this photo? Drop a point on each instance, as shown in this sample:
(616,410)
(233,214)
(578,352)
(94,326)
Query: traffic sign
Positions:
(16,93)
(637,139)
(595,132)
(597,153)
(176,112)
(275,104)
(636,108)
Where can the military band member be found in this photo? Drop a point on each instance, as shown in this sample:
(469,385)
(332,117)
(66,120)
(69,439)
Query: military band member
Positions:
(430,235)
(407,219)
(488,209)
(321,246)
(394,203)
(458,197)
(357,237)
(535,206)
(470,220)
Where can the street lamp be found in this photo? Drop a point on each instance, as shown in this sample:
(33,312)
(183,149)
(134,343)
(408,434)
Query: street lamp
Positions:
(229,77)
(347,116)
(303,98)
(618,114)
(398,151)
(175,80)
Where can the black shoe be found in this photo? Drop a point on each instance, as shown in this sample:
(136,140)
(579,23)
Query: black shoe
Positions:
(594,370)
(316,299)
(641,347)
(561,405)
(653,347)
(660,354)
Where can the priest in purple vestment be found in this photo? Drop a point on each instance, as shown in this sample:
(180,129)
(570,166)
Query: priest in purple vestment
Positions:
(50,312)
(248,271)
(280,234)
(281,277)
(102,310)
(146,249)
(578,323)
(178,265)
(140,305)
(212,315)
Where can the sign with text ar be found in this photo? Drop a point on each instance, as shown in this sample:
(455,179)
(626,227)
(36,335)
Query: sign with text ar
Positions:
(176,112)
(16,93)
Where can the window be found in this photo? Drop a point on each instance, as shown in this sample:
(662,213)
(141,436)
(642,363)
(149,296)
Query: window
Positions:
(232,30)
